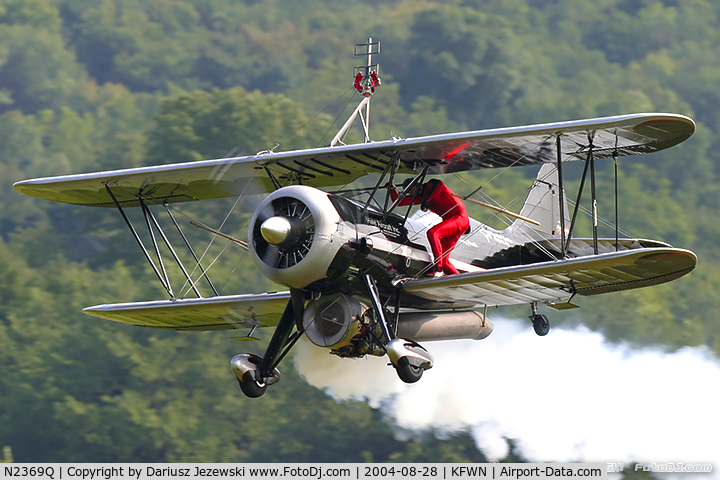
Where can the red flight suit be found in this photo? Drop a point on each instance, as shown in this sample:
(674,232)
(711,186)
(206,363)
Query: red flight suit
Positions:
(444,236)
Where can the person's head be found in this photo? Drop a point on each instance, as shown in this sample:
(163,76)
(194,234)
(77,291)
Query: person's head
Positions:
(413,189)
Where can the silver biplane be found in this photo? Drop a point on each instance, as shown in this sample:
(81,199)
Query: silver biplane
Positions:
(355,265)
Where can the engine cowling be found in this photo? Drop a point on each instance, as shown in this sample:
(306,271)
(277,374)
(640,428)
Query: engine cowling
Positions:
(290,236)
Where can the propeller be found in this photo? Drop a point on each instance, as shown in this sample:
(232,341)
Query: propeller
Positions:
(283,232)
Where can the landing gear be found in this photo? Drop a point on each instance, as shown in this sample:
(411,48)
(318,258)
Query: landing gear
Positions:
(255,373)
(251,387)
(409,358)
(540,322)
(246,369)
(407,372)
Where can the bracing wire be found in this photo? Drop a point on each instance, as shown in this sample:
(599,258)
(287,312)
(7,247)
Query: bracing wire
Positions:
(521,227)
(212,240)
(338,115)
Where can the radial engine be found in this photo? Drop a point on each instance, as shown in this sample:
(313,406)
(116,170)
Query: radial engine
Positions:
(349,328)
(293,236)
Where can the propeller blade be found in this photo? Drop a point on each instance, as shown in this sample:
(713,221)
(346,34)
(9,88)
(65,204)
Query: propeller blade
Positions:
(271,256)
(266,211)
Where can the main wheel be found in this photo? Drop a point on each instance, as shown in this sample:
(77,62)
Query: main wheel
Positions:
(541,324)
(408,373)
(250,387)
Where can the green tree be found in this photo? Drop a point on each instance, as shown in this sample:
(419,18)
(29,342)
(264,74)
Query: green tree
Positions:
(37,71)
(201,125)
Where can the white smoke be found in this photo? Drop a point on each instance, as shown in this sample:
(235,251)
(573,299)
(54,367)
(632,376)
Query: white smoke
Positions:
(569,396)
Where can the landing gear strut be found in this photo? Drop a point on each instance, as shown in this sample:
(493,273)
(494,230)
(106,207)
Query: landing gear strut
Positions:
(255,373)
(409,358)
(540,322)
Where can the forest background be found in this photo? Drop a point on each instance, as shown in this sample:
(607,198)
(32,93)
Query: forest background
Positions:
(106,84)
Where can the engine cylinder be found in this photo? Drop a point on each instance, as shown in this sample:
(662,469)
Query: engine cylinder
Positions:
(428,326)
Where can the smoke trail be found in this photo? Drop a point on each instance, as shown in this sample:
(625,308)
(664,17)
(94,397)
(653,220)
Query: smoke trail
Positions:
(569,396)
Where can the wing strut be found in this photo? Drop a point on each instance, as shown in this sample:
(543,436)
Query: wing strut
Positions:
(162,279)
(418,180)
(589,164)
(390,166)
(147,215)
(563,246)
(395,161)
(592,194)
(579,198)
(153,225)
(617,220)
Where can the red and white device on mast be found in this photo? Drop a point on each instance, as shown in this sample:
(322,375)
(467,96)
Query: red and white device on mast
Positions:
(366,82)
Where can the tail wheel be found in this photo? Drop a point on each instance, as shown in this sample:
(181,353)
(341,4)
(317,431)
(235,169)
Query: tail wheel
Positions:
(408,373)
(250,387)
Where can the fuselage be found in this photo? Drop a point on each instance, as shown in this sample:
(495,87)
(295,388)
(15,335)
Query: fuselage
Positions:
(339,239)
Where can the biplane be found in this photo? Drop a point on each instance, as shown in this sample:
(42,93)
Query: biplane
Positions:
(354,262)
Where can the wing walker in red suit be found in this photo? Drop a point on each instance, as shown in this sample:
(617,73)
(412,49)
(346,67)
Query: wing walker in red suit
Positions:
(439,199)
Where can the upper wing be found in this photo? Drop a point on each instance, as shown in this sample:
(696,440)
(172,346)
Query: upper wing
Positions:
(216,313)
(558,281)
(337,166)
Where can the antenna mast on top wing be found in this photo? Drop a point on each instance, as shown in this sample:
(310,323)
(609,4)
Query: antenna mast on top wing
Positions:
(366,81)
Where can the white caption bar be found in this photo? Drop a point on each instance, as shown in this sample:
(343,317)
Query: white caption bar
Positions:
(289,471)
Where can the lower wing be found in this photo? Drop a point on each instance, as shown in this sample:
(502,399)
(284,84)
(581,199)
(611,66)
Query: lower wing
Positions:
(216,313)
(547,282)
(558,281)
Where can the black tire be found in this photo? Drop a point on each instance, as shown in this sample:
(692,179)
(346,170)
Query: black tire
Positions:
(408,373)
(541,324)
(250,387)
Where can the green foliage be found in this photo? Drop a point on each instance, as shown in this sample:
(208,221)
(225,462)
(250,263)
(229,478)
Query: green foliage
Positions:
(36,70)
(200,125)
(88,85)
